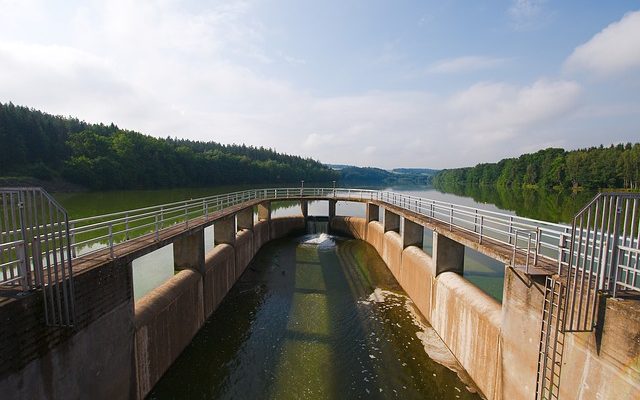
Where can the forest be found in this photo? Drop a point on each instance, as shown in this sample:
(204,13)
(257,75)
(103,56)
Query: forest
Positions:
(616,166)
(97,156)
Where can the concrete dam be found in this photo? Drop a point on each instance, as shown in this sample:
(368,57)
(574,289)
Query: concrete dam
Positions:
(568,326)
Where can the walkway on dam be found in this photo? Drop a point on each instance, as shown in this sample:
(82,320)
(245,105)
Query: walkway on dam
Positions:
(531,245)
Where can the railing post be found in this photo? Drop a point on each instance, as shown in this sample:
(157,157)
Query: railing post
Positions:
(72,239)
(126,226)
(22,265)
(111,240)
(451,218)
(511,229)
(528,251)
(481,226)
(613,272)
(157,230)
(535,257)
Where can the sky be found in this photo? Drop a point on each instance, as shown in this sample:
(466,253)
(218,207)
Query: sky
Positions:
(437,84)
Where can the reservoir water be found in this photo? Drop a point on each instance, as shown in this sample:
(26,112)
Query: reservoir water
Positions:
(315,317)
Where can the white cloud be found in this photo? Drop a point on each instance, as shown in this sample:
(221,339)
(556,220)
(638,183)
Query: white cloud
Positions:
(465,64)
(614,50)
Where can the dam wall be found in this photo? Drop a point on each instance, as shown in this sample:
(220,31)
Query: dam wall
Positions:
(498,344)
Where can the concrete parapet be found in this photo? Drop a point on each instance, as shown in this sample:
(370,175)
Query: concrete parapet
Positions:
(281,227)
(260,235)
(417,278)
(468,321)
(375,235)
(392,253)
(219,276)
(350,226)
(166,320)
(244,252)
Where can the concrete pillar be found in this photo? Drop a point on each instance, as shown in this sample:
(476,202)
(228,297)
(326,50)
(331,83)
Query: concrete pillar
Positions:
(244,219)
(391,221)
(412,234)
(304,206)
(332,209)
(188,252)
(373,212)
(264,211)
(224,231)
(448,255)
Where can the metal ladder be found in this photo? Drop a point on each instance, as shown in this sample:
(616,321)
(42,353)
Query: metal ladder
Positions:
(551,341)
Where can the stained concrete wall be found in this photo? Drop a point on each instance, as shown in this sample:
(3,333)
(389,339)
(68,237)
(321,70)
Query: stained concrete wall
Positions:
(220,266)
(417,278)
(40,362)
(375,235)
(260,235)
(244,251)
(468,321)
(392,253)
(351,226)
(281,227)
(166,320)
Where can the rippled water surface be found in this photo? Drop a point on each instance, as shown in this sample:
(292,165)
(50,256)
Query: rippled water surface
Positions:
(315,317)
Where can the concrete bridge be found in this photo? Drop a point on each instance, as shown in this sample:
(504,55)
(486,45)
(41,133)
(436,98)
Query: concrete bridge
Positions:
(71,328)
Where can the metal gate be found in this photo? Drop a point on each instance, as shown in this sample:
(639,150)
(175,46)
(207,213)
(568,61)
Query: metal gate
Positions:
(35,251)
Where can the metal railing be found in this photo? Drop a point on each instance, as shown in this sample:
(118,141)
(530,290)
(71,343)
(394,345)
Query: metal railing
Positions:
(530,240)
(35,250)
(527,237)
(603,256)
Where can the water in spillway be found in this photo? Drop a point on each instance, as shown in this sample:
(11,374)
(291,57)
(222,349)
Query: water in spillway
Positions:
(315,317)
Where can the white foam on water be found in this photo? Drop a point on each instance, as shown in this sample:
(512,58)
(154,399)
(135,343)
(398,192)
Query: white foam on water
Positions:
(433,345)
(322,240)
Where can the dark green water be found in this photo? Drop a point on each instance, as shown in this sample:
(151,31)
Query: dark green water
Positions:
(303,322)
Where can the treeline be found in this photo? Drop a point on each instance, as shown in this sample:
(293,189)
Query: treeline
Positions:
(616,166)
(377,176)
(98,156)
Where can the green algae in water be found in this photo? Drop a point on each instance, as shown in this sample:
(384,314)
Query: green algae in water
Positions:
(307,321)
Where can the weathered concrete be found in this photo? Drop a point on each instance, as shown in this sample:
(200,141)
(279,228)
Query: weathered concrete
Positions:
(103,351)
(412,234)
(607,367)
(281,227)
(260,235)
(219,276)
(350,226)
(392,253)
(521,321)
(417,278)
(188,252)
(39,362)
(391,221)
(264,211)
(224,231)
(166,320)
(375,235)
(244,219)
(468,321)
(244,251)
(304,208)
(372,213)
(448,255)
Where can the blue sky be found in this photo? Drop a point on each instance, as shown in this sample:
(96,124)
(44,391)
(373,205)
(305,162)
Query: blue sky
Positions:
(382,83)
